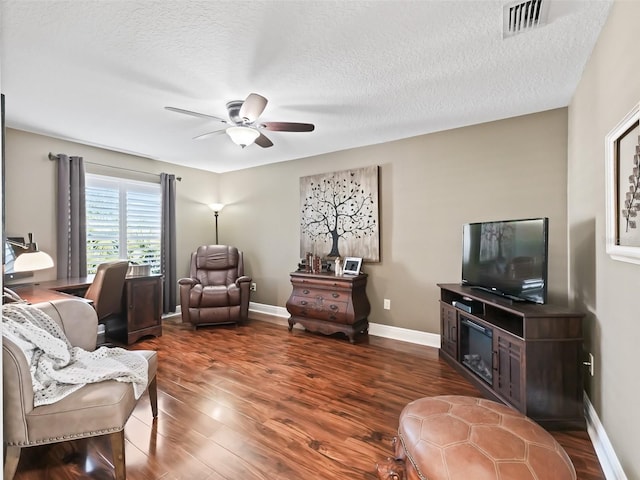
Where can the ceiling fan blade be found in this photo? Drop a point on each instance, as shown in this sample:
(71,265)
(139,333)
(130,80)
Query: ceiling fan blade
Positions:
(209,134)
(263,141)
(195,114)
(287,126)
(253,107)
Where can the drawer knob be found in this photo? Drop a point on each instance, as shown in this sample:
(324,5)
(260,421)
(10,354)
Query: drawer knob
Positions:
(332,317)
(303,302)
(305,291)
(333,307)
(335,295)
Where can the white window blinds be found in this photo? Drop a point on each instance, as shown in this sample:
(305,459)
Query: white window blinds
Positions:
(123,221)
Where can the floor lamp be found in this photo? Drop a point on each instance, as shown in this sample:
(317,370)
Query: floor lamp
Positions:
(216,207)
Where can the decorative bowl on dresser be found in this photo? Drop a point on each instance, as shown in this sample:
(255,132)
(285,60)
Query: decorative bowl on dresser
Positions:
(329,303)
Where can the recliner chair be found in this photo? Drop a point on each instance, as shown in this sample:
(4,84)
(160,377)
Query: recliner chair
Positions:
(217,290)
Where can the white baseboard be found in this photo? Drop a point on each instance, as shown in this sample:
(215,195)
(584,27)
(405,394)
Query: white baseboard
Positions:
(405,335)
(260,310)
(280,316)
(270,314)
(601,444)
(177,313)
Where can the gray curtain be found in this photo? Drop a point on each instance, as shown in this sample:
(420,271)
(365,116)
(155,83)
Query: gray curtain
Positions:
(72,222)
(168,241)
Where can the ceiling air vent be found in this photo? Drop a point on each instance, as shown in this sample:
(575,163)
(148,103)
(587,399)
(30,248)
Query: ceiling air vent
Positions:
(522,16)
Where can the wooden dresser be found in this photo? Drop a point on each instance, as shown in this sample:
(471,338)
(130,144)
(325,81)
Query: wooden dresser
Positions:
(326,303)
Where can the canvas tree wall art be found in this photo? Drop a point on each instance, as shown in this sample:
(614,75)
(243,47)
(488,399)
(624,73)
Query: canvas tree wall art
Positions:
(339,214)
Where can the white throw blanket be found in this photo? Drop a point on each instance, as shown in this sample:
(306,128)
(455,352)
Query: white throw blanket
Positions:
(58,368)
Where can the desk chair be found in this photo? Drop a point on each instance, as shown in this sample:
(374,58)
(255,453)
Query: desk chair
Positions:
(106,292)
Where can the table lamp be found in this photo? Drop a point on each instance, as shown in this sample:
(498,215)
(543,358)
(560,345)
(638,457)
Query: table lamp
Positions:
(31,259)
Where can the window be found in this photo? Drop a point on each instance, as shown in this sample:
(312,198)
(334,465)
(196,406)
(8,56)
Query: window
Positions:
(123,221)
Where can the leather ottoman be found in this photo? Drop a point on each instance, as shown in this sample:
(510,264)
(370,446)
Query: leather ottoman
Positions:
(464,438)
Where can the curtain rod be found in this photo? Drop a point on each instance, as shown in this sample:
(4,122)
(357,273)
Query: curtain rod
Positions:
(55,157)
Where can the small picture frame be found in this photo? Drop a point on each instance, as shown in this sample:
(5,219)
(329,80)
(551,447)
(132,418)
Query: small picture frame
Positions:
(352,266)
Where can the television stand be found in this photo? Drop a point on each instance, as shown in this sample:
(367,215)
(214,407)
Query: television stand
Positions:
(530,356)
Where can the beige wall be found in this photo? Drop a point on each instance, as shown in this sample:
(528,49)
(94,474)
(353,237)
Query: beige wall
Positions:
(30,183)
(429,187)
(606,288)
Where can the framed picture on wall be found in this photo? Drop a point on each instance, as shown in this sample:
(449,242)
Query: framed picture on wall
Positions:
(622,145)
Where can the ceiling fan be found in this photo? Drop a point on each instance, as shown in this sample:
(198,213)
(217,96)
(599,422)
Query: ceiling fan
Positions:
(244,128)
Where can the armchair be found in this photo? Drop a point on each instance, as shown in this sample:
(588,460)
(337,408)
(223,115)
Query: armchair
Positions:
(101,408)
(217,290)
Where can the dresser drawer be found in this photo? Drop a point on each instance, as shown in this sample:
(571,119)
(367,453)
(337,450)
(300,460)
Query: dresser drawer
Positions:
(326,295)
(318,308)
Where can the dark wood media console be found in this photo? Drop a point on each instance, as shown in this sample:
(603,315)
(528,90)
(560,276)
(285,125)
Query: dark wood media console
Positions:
(533,353)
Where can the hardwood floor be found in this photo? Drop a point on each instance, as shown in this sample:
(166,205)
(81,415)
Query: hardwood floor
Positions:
(258,402)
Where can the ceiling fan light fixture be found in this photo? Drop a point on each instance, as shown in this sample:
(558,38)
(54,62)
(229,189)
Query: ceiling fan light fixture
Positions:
(243,116)
(243,136)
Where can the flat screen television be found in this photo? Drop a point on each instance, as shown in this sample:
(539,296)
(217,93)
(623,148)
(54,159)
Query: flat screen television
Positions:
(507,258)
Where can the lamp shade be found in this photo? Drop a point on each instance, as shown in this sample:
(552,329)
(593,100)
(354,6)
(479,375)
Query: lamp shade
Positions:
(216,207)
(243,136)
(31,261)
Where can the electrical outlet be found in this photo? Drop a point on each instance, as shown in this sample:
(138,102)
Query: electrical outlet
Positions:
(253,287)
(387,304)
(591,364)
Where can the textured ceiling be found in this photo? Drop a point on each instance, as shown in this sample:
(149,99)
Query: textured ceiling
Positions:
(364,72)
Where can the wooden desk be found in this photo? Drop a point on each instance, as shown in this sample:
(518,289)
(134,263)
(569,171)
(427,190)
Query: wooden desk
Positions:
(75,285)
(141,303)
(36,294)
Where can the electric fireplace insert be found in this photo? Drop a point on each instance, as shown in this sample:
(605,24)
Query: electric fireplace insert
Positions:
(476,348)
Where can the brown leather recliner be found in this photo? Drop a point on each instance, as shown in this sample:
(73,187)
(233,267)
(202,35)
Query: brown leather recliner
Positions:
(217,290)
